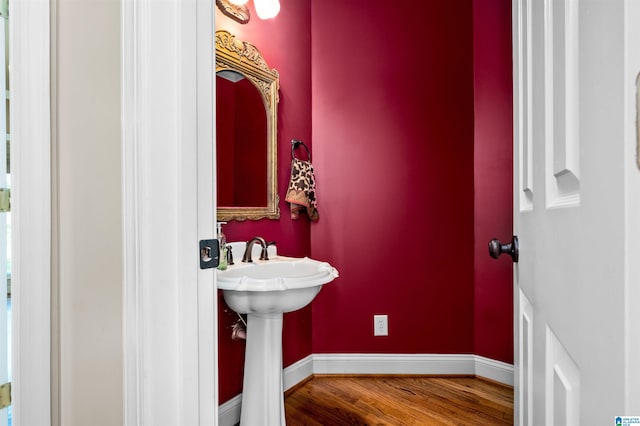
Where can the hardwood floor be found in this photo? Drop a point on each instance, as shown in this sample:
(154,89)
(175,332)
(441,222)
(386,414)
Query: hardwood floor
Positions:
(399,400)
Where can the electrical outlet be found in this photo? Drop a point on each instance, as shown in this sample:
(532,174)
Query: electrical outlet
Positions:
(380,325)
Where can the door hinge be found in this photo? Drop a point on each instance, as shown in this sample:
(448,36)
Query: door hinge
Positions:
(5,200)
(5,395)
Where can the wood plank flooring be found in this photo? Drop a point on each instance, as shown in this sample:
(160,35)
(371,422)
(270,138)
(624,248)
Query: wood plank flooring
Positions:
(399,400)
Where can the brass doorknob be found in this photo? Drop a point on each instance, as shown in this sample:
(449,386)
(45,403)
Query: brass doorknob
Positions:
(496,248)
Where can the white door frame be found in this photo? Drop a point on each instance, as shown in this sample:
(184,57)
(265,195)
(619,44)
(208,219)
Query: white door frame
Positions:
(31,205)
(170,333)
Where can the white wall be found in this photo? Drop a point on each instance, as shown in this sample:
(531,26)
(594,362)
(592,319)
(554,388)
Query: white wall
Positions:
(87,252)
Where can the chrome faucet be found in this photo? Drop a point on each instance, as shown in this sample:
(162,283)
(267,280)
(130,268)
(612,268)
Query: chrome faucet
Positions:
(247,251)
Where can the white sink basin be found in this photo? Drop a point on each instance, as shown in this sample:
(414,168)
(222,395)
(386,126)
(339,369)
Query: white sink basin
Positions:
(264,290)
(280,284)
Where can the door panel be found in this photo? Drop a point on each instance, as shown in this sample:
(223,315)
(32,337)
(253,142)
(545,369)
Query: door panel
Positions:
(562,392)
(525,370)
(523,108)
(562,161)
(569,203)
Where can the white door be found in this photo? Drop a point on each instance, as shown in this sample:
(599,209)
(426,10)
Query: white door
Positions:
(572,168)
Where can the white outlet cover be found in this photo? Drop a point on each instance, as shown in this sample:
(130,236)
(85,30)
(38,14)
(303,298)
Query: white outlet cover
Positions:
(380,325)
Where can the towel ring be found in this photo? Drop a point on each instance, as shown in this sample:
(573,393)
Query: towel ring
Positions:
(295,144)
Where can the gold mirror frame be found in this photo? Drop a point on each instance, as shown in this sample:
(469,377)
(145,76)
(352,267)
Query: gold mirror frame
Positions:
(243,57)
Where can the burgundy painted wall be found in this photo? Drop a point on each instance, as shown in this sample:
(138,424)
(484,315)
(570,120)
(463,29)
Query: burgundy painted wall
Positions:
(392,103)
(393,151)
(285,43)
(493,177)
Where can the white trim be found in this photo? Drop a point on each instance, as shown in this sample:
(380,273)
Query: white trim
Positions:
(419,364)
(207,300)
(392,364)
(497,371)
(297,372)
(132,51)
(31,204)
(167,170)
(428,364)
(230,411)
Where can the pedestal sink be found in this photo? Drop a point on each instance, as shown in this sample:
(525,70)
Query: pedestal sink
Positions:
(264,290)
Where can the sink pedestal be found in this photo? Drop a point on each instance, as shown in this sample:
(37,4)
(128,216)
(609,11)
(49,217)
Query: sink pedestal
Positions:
(262,390)
(264,290)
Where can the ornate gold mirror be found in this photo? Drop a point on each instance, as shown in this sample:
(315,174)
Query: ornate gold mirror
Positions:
(246,131)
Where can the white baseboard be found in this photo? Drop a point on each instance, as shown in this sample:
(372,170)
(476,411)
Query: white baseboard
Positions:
(380,364)
(392,364)
(428,364)
(229,412)
(497,371)
(297,372)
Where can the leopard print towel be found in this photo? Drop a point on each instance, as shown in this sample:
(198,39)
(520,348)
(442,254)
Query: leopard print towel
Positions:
(302,190)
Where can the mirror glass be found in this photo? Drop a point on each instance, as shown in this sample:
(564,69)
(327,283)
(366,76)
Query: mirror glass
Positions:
(246,121)
(241,138)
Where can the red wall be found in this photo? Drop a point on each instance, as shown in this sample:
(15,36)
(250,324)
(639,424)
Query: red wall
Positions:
(285,43)
(393,151)
(493,177)
(407,202)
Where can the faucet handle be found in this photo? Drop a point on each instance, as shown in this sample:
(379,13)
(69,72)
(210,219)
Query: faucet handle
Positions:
(264,253)
(229,255)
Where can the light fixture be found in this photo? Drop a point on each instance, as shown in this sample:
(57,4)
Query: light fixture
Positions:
(239,11)
(267,9)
